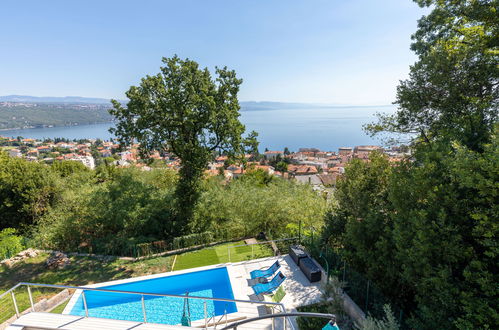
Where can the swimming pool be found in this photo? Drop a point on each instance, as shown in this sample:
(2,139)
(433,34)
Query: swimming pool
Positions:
(168,310)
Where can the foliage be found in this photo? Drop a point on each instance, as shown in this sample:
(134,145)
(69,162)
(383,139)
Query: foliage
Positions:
(453,89)
(246,207)
(10,243)
(424,232)
(281,166)
(313,323)
(387,323)
(251,143)
(68,167)
(192,239)
(332,303)
(434,249)
(110,217)
(125,211)
(27,190)
(184,110)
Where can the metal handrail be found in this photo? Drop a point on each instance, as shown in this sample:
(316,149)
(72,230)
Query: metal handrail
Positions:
(11,289)
(303,314)
(142,293)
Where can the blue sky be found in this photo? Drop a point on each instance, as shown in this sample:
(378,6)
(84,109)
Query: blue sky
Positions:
(319,51)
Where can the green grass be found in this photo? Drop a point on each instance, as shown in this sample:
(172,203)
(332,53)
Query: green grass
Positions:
(59,309)
(220,254)
(81,271)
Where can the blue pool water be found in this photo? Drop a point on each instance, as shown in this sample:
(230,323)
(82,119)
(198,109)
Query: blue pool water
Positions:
(167,310)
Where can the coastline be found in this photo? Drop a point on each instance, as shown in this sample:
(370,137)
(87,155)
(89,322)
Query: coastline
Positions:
(54,126)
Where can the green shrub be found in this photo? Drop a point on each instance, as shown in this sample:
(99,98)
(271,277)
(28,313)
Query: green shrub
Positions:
(192,240)
(10,243)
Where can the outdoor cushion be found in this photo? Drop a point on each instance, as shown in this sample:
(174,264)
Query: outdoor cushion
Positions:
(266,272)
(262,288)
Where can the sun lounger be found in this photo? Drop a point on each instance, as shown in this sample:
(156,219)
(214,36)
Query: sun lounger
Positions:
(266,272)
(255,281)
(271,286)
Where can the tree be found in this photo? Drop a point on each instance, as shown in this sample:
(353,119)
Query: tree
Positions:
(27,190)
(453,89)
(281,166)
(424,231)
(445,222)
(67,167)
(251,144)
(387,323)
(286,151)
(184,110)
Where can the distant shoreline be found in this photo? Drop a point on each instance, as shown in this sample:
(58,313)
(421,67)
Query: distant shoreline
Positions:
(55,126)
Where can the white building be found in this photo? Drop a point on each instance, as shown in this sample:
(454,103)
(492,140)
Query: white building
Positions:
(88,161)
(15,153)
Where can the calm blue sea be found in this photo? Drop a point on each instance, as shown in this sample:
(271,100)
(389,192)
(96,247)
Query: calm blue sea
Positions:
(326,128)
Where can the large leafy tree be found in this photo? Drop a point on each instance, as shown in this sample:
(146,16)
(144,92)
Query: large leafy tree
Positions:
(445,231)
(185,111)
(431,221)
(453,89)
(425,231)
(27,189)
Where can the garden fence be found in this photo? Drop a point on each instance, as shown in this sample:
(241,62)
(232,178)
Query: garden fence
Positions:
(364,292)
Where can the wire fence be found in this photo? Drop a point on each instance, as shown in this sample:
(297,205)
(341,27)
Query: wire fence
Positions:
(364,292)
(231,252)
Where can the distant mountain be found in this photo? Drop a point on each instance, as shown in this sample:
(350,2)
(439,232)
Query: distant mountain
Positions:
(245,105)
(53,99)
(266,105)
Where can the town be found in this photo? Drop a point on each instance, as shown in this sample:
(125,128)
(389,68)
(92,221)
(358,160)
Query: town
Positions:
(307,165)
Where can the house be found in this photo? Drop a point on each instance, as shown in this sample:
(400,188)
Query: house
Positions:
(105,153)
(272,155)
(363,152)
(345,151)
(43,149)
(302,169)
(15,153)
(88,161)
(33,152)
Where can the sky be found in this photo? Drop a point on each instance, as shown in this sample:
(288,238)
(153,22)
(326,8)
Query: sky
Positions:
(312,51)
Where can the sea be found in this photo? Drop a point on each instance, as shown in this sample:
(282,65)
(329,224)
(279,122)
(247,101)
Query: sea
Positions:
(321,127)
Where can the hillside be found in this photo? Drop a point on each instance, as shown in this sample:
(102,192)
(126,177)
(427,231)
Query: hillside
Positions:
(23,115)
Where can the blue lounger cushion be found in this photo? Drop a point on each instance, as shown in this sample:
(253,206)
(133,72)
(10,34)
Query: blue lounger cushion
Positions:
(271,286)
(266,272)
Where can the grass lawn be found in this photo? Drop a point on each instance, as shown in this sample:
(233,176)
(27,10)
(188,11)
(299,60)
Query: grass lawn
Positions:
(220,254)
(84,270)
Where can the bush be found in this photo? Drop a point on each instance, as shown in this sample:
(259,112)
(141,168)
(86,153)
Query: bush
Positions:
(192,240)
(10,243)
(387,323)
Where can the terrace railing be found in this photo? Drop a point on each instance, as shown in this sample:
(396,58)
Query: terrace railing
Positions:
(18,304)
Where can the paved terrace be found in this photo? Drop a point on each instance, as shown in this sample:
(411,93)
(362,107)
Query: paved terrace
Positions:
(299,292)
